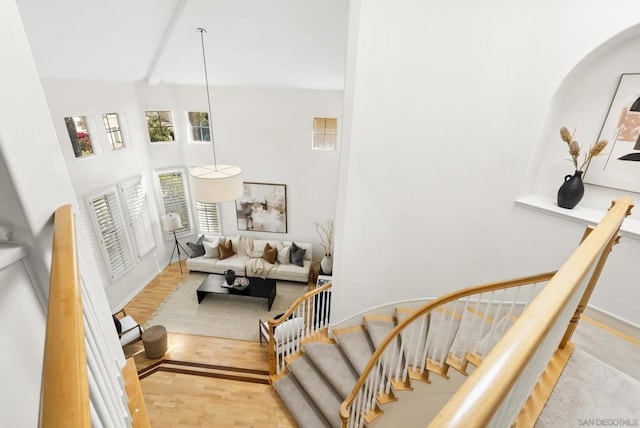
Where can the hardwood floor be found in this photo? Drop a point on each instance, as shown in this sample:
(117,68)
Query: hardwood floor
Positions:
(202,397)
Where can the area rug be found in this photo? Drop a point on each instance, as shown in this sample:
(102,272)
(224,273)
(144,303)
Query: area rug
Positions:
(227,316)
(591,393)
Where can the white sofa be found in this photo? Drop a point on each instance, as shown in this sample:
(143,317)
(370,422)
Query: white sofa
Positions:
(247,259)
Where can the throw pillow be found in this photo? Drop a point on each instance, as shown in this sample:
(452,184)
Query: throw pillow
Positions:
(226,250)
(244,247)
(197,249)
(284,254)
(270,254)
(211,249)
(297,255)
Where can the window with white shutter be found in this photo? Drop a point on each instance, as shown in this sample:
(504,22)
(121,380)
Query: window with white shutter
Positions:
(111,231)
(208,217)
(137,213)
(174,196)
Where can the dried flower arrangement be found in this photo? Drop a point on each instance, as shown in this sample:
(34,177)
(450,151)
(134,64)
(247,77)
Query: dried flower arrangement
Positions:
(574,149)
(326,236)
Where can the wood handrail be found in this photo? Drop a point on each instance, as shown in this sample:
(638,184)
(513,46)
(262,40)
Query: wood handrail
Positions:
(423,310)
(479,398)
(274,323)
(65,390)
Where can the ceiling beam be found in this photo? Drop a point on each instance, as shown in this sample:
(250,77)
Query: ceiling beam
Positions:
(153,77)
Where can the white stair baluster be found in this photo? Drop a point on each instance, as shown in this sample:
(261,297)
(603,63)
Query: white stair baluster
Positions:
(422,333)
(427,342)
(438,338)
(474,349)
(411,346)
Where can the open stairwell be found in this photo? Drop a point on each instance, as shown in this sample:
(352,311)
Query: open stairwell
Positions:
(323,374)
(405,361)
(484,356)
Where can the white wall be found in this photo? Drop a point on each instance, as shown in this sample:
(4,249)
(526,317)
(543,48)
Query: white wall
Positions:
(267,132)
(22,336)
(35,179)
(107,167)
(581,103)
(26,135)
(446,105)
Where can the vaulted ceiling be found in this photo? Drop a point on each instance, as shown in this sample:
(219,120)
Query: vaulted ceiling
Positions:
(254,43)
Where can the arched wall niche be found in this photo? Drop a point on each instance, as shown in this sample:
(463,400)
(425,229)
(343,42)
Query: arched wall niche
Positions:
(581,103)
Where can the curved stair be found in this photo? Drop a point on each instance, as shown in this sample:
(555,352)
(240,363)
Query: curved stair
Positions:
(323,374)
(515,332)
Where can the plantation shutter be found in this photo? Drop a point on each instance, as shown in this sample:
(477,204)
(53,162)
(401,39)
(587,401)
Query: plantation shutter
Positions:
(208,217)
(174,197)
(112,234)
(138,214)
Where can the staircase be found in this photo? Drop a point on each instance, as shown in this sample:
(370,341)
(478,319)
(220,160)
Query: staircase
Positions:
(487,355)
(324,373)
(412,360)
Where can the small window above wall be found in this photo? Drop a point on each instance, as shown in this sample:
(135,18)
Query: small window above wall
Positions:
(113,130)
(325,131)
(79,136)
(175,198)
(160,126)
(199,131)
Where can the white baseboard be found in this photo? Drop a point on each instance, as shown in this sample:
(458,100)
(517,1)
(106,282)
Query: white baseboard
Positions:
(141,287)
(623,326)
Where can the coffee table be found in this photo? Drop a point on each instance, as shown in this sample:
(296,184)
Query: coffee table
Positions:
(258,287)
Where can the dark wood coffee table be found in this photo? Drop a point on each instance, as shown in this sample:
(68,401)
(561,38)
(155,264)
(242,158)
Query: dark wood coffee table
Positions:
(258,287)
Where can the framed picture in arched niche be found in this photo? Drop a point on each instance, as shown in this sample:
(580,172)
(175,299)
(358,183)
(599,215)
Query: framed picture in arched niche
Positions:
(262,207)
(618,166)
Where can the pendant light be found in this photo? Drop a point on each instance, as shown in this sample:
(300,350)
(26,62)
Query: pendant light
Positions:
(214,182)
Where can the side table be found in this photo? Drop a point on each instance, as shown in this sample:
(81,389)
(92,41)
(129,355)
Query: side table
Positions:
(154,340)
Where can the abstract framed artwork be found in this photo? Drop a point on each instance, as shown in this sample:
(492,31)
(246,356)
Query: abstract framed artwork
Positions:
(619,165)
(262,207)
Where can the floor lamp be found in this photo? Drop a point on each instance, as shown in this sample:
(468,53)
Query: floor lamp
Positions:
(171,222)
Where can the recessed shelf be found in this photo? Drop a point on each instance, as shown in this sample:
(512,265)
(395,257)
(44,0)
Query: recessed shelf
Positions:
(584,215)
(10,253)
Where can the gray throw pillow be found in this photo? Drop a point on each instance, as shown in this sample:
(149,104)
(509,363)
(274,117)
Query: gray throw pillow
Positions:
(197,248)
(297,254)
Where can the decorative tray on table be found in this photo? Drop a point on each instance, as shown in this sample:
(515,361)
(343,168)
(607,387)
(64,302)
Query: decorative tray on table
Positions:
(238,284)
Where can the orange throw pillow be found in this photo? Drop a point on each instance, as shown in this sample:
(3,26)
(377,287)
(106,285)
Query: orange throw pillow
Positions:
(225,250)
(270,254)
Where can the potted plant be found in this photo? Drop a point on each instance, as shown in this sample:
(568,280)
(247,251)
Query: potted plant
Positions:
(326,241)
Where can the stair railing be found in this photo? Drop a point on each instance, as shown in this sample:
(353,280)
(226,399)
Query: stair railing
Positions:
(82,385)
(497,392)
(512,335)
(424,341)
(307,316)
(65,391)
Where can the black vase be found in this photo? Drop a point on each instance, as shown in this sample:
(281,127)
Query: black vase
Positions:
(571,191)
(229,276)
